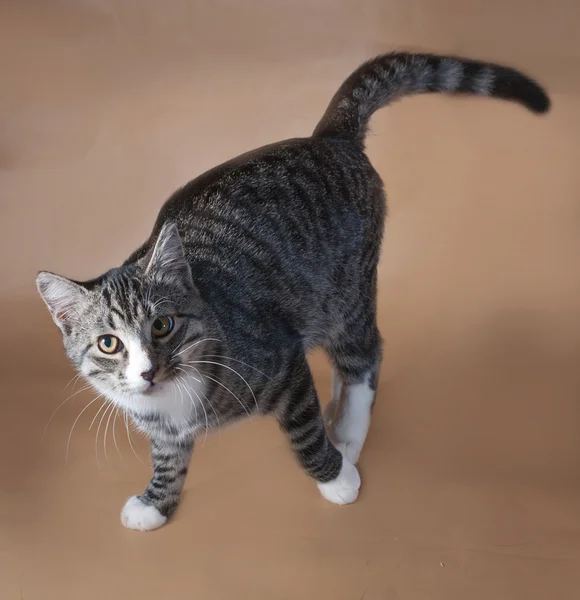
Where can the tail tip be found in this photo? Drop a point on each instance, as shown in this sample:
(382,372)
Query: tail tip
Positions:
(537,100)
(514,85)
(533,96)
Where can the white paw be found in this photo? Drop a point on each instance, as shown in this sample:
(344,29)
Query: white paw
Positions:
(344,489)
(140,516)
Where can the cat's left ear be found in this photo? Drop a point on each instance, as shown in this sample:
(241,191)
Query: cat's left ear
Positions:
(64,298)
(167,260)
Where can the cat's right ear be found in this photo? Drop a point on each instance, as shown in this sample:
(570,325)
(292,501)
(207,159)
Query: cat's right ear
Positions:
(166,260)
(63,298)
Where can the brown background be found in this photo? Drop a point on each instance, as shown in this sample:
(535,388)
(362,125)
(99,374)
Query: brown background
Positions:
(472,468)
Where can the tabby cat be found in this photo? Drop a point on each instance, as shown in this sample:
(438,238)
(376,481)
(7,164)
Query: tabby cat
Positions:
(250,266)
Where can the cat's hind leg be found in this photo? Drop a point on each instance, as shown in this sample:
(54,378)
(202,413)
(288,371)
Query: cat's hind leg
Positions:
(298,411)
(356,356)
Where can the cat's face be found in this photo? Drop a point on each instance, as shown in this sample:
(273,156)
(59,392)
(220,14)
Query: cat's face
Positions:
(134,332)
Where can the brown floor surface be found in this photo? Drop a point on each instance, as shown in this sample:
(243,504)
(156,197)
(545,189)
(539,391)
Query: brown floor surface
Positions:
(471,472)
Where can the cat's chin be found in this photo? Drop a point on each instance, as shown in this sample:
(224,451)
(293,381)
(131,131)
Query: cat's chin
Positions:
(149,389)
(166,398)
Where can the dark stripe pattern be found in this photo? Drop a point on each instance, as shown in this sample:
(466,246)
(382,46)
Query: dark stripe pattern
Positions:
(170,464)
(387,78)
(260,260)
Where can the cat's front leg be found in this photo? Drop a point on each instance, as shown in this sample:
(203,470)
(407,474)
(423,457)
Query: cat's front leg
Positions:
(151,509)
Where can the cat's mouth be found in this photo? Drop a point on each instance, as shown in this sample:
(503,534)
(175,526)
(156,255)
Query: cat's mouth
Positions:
(148,388)
(159,382)
(157,385)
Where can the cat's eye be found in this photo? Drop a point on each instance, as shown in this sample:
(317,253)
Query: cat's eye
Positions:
(109,344)
(162,326)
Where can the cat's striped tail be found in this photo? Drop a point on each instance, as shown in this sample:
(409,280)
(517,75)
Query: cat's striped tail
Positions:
(386,78)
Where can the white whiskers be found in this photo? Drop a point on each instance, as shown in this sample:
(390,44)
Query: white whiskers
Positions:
(187,391)
(241,362)
(210,362)
(114,434)
(159,303)
(98,413)
(74,424)
(189,374)
(75,379)
(182,383)
(106,430)
(83,389)
(108,405)
(129,439)
(225,387)
(175,355)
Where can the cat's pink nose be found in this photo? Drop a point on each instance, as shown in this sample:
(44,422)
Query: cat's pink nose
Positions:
(149,375)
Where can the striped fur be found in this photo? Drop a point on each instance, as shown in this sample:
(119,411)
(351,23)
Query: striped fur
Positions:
(387,78)
(257,262)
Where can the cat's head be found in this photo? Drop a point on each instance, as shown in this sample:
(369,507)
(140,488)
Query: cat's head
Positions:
(133,332)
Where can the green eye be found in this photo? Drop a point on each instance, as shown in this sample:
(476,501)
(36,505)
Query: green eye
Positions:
(162,326)
(109,344)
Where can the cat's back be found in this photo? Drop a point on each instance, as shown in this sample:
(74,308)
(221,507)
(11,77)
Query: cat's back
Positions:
(300,198)
(284,230)
(286,171)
